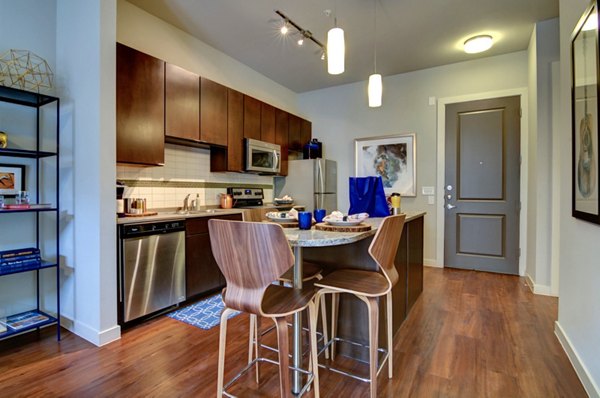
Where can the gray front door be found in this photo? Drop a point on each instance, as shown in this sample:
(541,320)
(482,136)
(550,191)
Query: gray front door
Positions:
(482,185)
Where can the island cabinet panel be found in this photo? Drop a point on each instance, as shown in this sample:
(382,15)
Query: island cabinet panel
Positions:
(140,107)
(414,283)
(251,118)
(267,123)
(295,133)
(281,138)
(202,274)
(182,103)
(213,112)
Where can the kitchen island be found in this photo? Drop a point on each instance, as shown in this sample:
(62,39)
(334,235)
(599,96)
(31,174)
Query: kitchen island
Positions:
(335,250)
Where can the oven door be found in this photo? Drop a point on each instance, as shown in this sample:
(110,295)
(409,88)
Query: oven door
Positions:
(262,157)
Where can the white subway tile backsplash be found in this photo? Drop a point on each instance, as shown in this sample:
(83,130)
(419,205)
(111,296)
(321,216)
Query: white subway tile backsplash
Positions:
(184,164)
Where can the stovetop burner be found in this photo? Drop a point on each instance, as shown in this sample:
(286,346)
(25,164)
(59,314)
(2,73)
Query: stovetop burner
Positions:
(245,197)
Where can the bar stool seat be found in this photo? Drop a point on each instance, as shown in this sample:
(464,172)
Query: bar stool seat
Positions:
(282,301)
(366,283)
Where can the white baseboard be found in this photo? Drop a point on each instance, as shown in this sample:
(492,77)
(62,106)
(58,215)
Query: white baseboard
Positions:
(542,290)
(431,262)
(98,338)
(582,372)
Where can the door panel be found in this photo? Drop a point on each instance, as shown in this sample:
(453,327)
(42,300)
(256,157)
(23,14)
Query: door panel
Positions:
(482,185)
(481,234)
(480,153)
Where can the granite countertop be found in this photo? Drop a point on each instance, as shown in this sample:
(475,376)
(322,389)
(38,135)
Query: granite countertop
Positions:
(316,238)
(172,215)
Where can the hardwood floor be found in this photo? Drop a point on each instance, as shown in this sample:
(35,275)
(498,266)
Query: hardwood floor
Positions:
(470,334)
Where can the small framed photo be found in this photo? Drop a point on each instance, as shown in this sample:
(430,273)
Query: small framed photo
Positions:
(586,135)
(391,157)
(12,179)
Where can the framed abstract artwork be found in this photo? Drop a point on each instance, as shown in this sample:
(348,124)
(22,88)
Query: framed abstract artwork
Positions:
(12,179)
(585,133)
(393,158)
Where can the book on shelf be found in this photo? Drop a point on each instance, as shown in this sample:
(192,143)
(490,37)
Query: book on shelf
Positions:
(25,206)
(9,254)
(25,319)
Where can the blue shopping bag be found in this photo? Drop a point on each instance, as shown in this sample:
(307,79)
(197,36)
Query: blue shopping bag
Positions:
(367,196)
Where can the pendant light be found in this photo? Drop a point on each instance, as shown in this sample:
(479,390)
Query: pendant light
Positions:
(336,50)
(375,88)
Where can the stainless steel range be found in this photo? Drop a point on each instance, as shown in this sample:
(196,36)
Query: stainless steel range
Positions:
(246,197)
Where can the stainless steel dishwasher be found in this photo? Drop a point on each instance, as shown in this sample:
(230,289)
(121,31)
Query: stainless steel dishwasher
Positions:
(151,268)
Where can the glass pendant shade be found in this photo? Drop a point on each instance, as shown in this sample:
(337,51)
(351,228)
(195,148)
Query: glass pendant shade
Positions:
(336,50)
(375,90)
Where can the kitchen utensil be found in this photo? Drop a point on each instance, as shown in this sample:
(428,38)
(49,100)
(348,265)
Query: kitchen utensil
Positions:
(226,201)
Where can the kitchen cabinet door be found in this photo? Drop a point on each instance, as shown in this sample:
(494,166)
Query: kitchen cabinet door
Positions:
(281,138)
(295,133)
(140,107)
(202,273)
(305,132)
(235,134)
(182,103)
(251,118)
(213,112)
(267,123)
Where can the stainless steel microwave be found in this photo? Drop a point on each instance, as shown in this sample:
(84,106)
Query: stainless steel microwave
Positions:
(262,157)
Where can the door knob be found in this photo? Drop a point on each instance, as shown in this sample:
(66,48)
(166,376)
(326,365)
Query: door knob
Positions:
(450,207)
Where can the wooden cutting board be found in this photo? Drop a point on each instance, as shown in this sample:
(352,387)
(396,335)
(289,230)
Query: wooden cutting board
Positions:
(350,228)
(150,213)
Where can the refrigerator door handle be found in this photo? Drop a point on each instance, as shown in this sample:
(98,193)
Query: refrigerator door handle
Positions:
(276,157)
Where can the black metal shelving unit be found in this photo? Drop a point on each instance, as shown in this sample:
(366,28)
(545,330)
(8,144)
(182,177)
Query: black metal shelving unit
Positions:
(36,101)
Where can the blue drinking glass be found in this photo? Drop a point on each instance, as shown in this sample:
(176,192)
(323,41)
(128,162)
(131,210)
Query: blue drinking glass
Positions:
(304,219)
(320,214)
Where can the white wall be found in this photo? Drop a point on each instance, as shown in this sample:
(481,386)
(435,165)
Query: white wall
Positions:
(86,35)
(543,50)
(405,109)
(578,324)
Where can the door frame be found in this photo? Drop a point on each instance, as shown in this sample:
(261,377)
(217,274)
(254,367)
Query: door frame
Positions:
(441,165)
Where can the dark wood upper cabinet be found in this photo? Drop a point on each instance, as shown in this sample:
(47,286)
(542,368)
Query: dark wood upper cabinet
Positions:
(281,137)
(251,118)
(295,133)
(213,112)
(182,103)
(267,123)
(140,107)
(235,127)
(305,131)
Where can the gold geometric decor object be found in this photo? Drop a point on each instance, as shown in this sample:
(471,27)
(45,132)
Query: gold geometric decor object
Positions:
(25,70)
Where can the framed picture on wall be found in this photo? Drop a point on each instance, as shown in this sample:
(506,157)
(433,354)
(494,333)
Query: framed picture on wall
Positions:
(584,67)
(391,157)
(12,179)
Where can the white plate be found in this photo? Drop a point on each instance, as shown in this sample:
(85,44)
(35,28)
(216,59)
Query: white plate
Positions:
(275,217)
(350,223)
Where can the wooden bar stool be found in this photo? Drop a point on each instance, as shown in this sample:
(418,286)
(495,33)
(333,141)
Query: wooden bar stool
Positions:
(310,272)
(251,256)
(368,286)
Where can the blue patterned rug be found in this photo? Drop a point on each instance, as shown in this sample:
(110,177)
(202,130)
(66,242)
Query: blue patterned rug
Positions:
(204,314)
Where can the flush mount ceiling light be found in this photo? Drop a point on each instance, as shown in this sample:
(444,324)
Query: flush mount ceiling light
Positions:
(477,44)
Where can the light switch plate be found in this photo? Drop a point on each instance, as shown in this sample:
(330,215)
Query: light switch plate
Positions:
(431,100)
(428,190)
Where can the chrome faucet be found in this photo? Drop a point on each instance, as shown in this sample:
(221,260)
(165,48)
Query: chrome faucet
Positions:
(186,206)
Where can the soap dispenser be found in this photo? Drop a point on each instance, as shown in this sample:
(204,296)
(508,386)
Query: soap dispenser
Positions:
(197,203)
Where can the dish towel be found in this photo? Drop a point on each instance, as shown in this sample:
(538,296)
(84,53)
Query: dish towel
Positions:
(367,196)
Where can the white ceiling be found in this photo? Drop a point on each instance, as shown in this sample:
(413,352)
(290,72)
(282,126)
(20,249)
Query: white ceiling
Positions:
(411,34)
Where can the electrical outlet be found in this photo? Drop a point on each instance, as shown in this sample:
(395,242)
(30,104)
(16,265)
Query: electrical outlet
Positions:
(431,200)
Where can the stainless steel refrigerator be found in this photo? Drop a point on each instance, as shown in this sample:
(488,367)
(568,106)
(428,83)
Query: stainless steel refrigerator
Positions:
(311,182)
